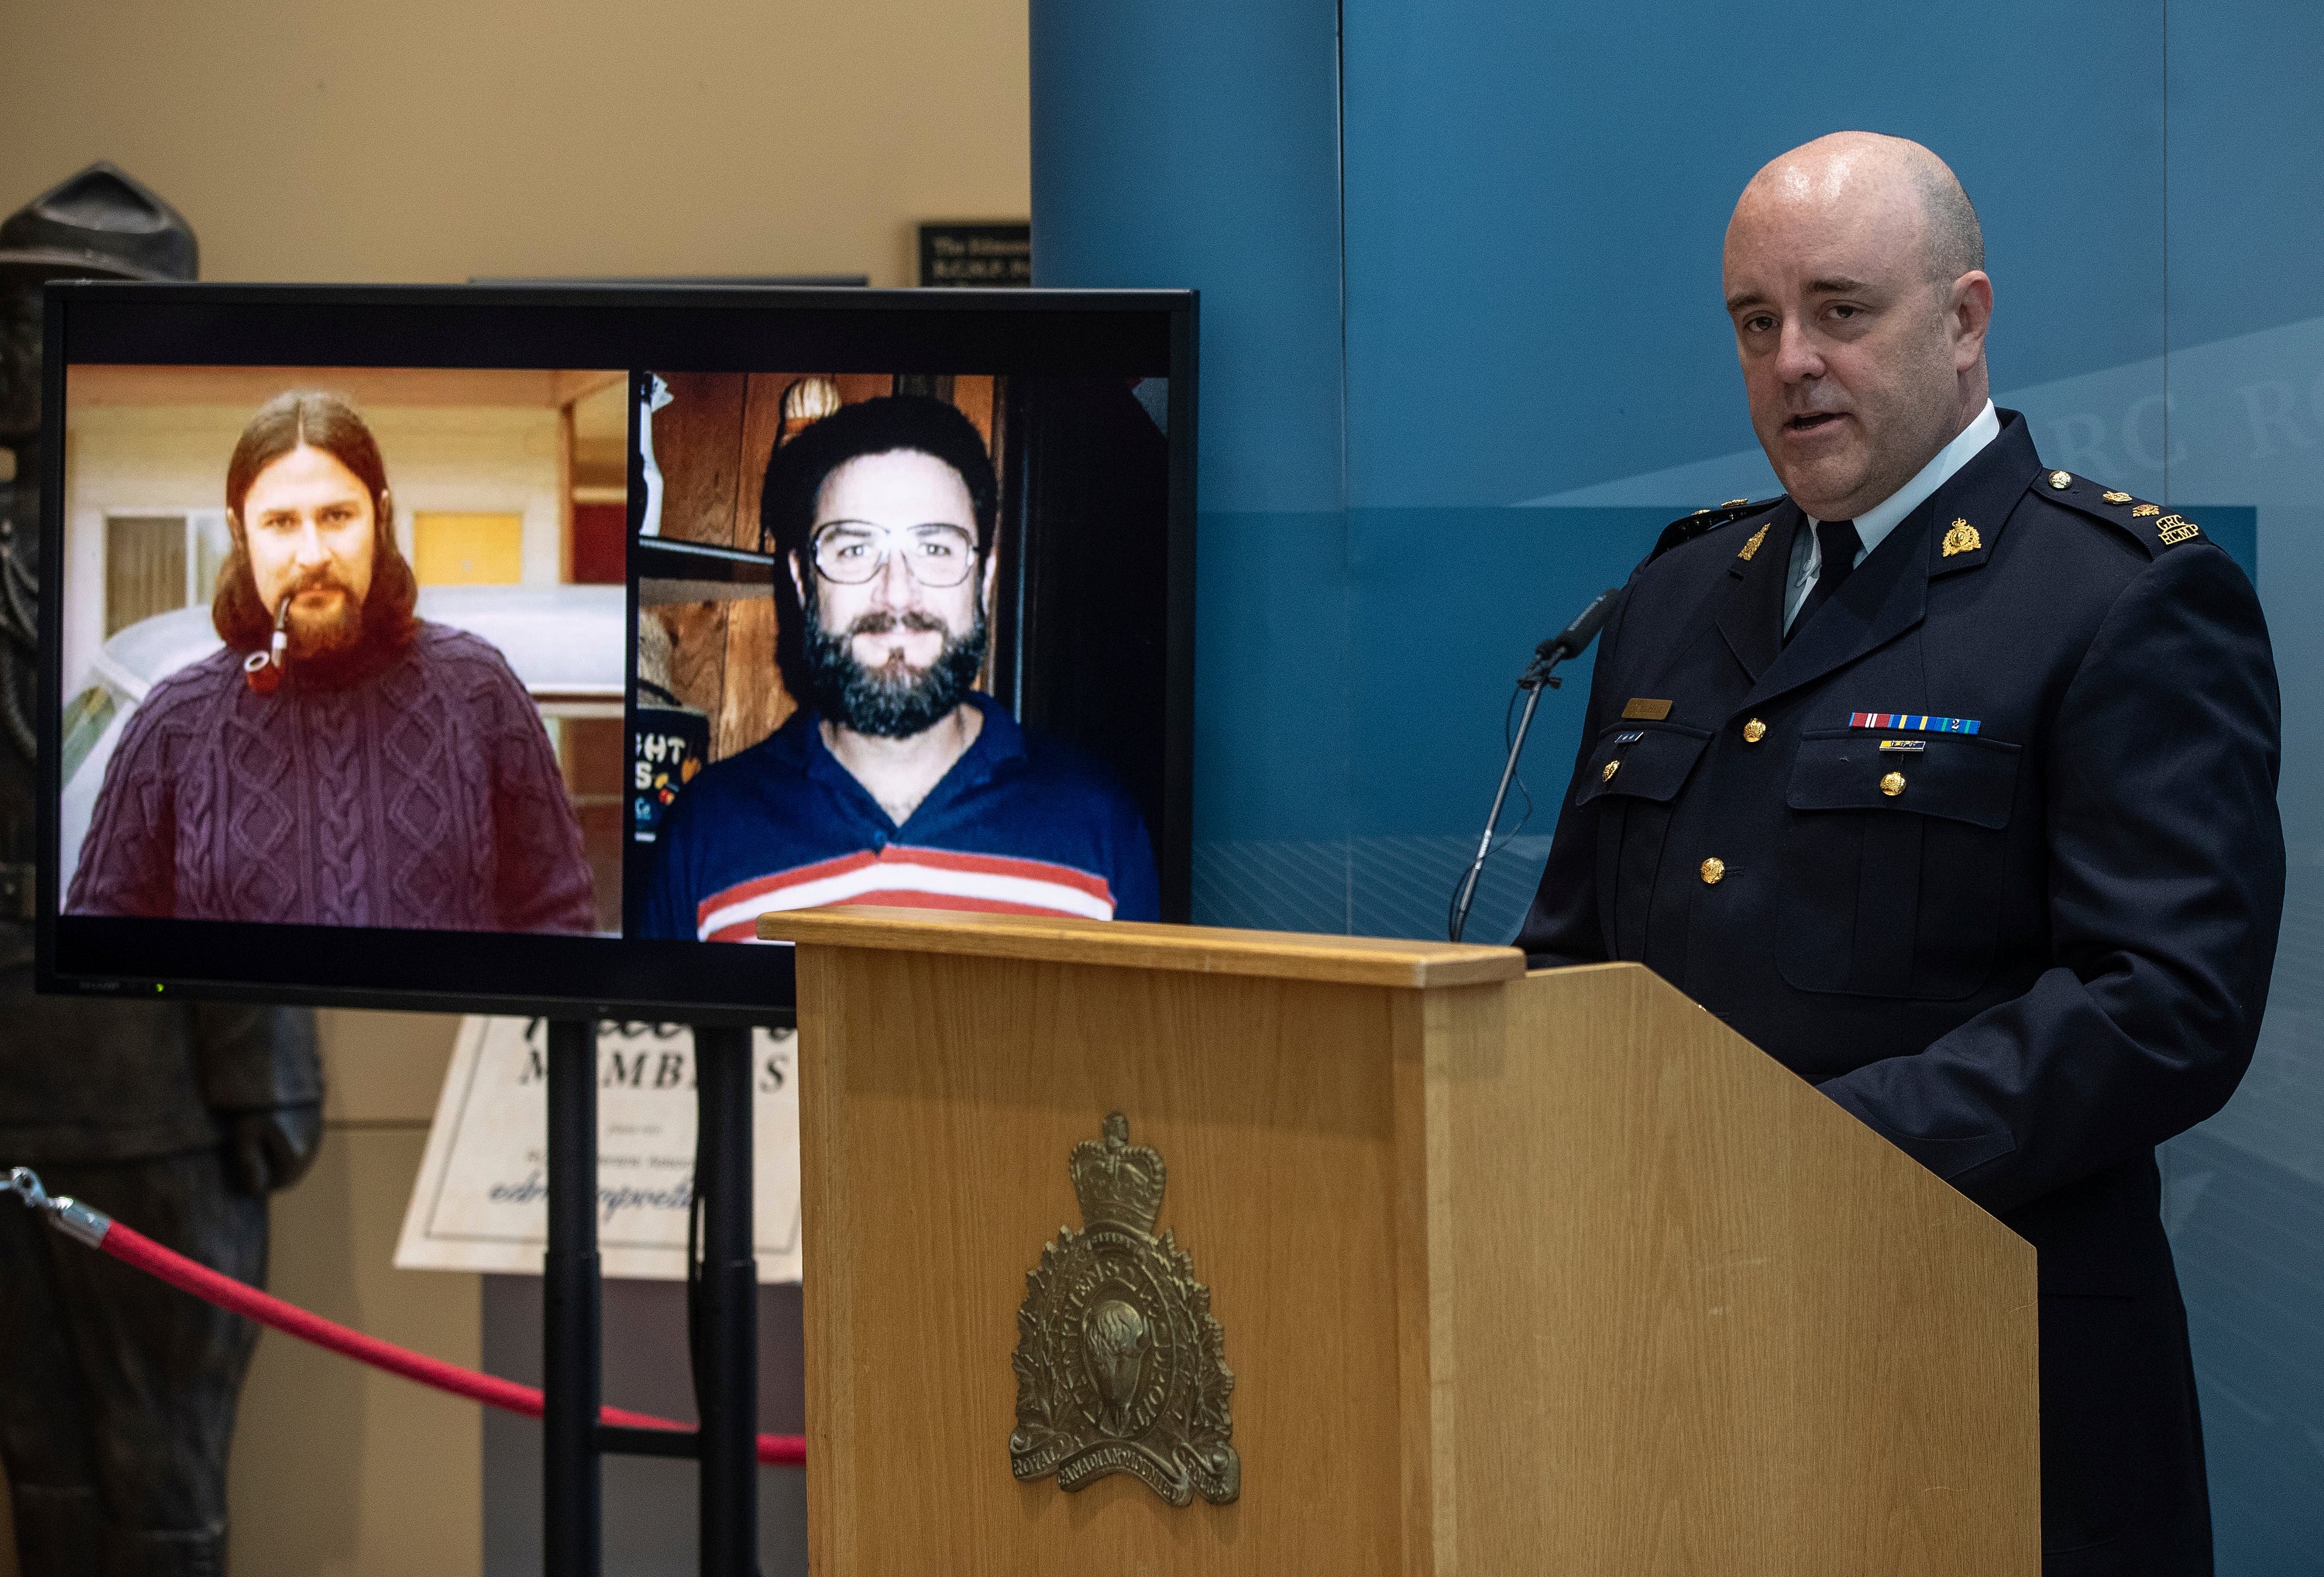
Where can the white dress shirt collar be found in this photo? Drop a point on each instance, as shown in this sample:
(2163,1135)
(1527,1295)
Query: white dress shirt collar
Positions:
(1873,526)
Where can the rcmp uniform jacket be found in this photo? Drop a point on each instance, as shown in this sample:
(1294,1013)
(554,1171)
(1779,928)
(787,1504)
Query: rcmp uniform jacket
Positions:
(1989,851)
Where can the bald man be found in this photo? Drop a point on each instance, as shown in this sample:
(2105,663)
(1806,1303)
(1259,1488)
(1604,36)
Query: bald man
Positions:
(1950,779)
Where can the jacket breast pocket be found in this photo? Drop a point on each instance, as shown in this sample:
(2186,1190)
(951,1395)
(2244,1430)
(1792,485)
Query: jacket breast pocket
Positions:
(1633,776)
(1893,861)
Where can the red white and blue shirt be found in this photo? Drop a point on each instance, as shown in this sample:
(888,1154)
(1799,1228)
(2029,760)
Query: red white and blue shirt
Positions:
(1021,825)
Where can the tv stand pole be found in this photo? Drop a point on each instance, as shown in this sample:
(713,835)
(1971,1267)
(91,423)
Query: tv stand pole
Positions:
(726,1312)
(572,1503)
(726,1339)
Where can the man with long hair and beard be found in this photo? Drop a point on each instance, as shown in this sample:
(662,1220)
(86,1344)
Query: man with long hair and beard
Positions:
(896,781)
(342,761)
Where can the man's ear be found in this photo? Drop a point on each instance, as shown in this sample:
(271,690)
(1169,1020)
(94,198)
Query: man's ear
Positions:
(387,509)
(798,585)
(991,577)
(1969,313)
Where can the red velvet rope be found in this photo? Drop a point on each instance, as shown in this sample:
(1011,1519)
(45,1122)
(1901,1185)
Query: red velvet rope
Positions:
(133,1247)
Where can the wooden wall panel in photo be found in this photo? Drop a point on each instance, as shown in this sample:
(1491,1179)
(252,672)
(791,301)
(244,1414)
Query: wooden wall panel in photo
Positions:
(754,703)
(698,442)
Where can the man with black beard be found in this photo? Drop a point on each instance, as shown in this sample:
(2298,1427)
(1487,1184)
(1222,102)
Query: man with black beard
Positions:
(896,782)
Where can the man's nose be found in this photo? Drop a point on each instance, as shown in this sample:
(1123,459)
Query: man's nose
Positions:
(1797,354)
(894,587)
(310,553)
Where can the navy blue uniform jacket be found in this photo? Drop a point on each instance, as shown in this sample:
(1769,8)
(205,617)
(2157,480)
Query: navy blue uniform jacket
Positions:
(2045,952)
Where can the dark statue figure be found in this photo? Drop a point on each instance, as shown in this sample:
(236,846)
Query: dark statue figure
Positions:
(117,1393)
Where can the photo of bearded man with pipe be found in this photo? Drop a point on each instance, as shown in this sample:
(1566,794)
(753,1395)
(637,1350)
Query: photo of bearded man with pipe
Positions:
(342,761)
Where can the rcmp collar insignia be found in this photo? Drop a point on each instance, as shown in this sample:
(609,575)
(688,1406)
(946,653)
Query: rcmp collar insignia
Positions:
(1120,1362)
(1962,539)
(1752,546)
(2146,509)
(2175,528)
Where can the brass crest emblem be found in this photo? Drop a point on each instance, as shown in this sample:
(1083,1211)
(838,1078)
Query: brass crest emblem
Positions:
(1119,1363)
(1962,539)
(2176,529)
(1752,546)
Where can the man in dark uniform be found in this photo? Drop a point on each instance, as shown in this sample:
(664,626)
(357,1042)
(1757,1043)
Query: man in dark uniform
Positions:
(117,1392)
(1950,779)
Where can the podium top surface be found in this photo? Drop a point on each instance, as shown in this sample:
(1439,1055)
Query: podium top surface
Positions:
(1130,945)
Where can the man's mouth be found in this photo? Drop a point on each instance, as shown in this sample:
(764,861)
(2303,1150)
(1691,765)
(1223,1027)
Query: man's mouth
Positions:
(1812,421)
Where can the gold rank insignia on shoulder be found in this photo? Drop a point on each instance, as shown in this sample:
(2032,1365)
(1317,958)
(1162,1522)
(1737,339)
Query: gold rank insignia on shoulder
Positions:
(2061,479)
(2116,497)
(1962,539)
(2147,509)
(2174,529)
(1646,709)
(1752,546)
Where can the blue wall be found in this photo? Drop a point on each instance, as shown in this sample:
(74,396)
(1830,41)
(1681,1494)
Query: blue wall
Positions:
(1463,354)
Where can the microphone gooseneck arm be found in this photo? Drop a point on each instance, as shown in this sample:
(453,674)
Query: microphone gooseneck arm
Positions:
(1539,674)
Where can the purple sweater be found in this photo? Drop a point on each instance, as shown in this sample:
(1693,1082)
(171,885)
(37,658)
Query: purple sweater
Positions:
(422,794)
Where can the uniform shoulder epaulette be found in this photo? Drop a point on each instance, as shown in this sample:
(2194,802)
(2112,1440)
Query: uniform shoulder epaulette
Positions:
(2150,525)
(1687,528)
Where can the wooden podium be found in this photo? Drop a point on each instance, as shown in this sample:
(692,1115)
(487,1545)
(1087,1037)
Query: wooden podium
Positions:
(1516,1273)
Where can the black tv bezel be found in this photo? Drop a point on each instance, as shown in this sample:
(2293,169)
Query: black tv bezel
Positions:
(635,978)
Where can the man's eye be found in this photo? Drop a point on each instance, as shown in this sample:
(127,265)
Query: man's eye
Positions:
(1842,309)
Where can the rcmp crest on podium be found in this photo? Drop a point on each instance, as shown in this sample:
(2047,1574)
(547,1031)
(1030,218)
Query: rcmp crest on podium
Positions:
(1119,1363)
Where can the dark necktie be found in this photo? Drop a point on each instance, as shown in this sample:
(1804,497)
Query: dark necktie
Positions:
(1840,545)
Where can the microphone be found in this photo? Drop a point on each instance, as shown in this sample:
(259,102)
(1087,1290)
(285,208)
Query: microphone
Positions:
(1573,640)
(1566,645)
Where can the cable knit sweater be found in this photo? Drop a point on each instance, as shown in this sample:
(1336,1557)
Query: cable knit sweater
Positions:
(420,793)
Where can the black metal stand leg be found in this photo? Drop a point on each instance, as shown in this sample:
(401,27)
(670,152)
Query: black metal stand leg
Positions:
(727,1382)
(572,1543)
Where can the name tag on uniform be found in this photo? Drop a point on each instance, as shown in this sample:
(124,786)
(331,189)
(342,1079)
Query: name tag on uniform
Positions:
(1919,722)
(1644,709)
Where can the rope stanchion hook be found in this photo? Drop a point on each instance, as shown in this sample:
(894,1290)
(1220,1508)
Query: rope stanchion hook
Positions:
(67,1214)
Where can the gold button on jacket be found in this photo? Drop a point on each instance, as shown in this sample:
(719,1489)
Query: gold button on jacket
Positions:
(1713,869)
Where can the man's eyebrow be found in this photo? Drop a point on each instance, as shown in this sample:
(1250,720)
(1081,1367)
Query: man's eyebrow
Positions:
(1838,285)
(1735,303)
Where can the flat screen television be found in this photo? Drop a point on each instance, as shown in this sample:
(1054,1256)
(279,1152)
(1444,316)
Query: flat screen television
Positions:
(514,649)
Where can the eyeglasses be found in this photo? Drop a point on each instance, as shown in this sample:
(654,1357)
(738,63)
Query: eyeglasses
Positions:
(853,552)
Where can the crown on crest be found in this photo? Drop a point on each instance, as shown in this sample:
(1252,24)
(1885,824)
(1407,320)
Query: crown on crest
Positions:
(1118,1183)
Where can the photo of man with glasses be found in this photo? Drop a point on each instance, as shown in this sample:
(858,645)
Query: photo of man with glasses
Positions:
(896,781)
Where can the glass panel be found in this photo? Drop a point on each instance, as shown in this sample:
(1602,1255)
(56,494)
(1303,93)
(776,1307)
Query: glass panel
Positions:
(2240,436)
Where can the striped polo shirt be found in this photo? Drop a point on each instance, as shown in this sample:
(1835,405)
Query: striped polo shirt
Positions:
(1021,825)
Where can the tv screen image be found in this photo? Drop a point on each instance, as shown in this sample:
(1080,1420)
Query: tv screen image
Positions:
(499,647)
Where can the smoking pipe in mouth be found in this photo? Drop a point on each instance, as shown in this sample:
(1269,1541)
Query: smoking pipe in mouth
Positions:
(263,671)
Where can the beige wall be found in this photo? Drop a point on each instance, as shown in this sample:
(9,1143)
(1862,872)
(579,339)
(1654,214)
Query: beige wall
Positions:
(435,140)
